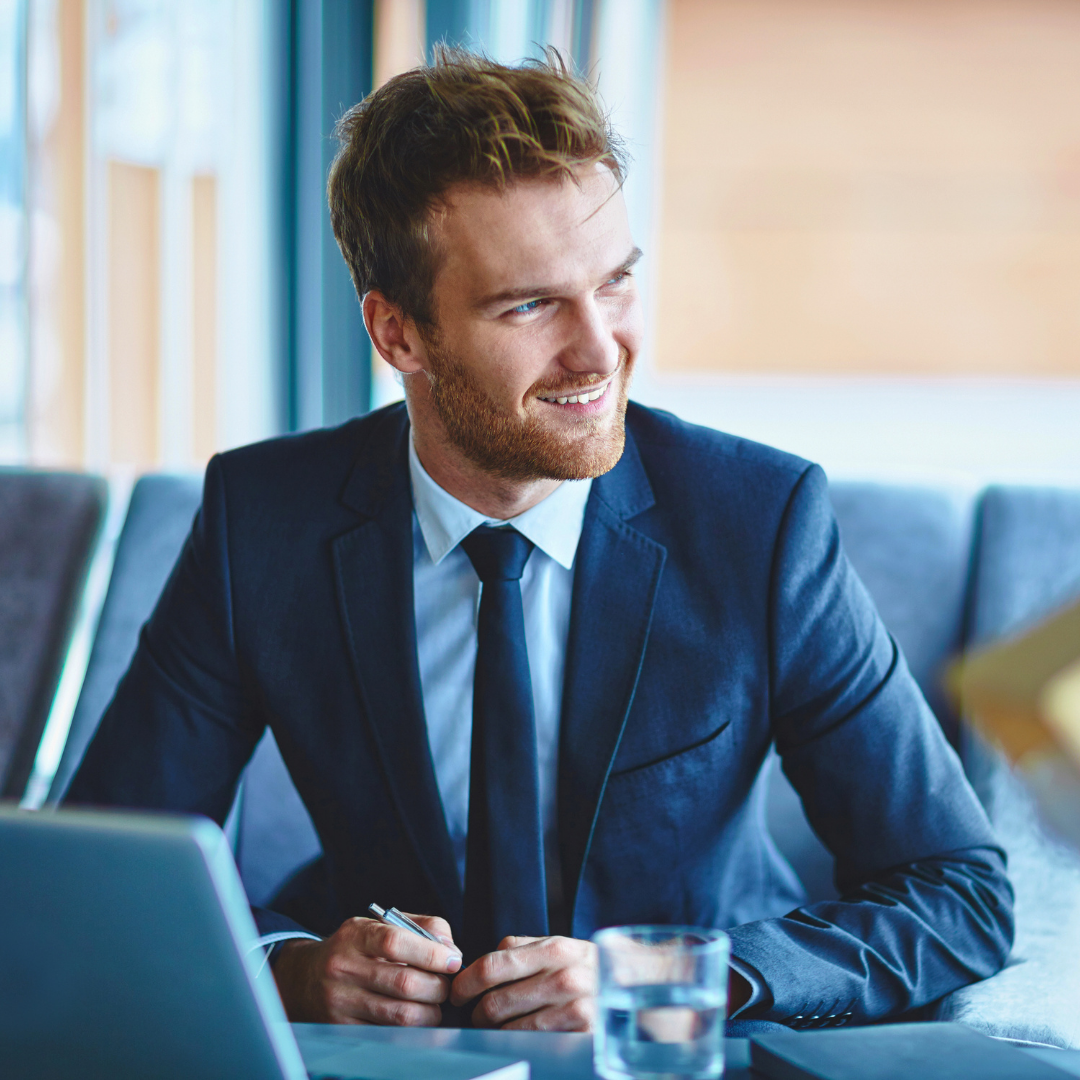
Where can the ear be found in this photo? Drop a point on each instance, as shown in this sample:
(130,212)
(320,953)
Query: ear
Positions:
(393,335)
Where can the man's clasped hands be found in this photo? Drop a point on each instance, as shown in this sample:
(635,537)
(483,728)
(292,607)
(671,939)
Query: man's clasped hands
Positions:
(371,973)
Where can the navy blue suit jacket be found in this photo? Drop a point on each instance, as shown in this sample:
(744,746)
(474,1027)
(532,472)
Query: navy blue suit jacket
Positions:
(714,614)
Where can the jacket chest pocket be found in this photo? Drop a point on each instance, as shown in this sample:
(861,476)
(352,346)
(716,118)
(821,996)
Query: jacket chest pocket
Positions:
(693,755)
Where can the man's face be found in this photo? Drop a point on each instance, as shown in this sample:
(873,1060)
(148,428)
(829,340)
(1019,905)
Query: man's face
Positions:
(535,306)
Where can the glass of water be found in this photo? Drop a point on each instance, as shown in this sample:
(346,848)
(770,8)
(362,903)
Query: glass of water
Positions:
(662,1002)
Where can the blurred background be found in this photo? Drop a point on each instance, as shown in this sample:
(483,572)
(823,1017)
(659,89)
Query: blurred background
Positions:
(861,220)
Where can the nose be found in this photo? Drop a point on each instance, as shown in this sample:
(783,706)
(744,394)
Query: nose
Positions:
(592,346)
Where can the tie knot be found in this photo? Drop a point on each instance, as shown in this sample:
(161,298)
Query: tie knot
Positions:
(497,554)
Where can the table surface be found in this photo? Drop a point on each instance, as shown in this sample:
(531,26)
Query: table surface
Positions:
(566,1056)
(550,1055)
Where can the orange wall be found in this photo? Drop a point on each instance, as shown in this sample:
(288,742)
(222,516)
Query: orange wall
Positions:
(871,186)
(134,230)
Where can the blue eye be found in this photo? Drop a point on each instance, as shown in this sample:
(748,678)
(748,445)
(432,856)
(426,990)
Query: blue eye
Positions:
(527,308)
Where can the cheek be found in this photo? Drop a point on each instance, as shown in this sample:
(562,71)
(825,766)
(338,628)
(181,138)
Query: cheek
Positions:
(628,322)
(516,365)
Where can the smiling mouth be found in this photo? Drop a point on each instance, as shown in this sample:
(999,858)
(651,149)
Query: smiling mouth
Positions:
(592,393)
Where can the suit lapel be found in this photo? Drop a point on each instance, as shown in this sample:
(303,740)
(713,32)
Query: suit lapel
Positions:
(616,576)
(374,567)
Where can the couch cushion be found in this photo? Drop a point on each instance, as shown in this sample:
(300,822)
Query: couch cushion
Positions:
(48,525)
(1027,560)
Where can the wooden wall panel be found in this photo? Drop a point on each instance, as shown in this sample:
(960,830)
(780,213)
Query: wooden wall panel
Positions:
(56,428)
(399,37)
(871,186)
(134,312)
(204,315)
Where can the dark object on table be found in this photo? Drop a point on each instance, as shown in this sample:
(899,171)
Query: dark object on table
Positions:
(893,1052)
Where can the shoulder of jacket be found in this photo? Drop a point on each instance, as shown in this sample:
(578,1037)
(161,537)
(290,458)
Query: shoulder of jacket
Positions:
(660,434)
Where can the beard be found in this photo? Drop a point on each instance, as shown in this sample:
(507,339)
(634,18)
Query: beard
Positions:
(511,448)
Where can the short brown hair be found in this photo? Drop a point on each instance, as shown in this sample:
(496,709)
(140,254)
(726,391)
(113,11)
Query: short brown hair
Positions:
(464,118)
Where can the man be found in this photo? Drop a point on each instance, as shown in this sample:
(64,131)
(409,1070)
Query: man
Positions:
(576,742)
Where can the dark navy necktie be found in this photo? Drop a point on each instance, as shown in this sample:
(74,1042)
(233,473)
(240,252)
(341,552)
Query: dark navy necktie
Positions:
(505,891)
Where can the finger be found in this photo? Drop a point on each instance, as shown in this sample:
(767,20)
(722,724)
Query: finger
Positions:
(376,939)
(512,942)
(495,968)
(405,983)
(332,981)
(549,989)
(579,1015)
(518,958)
(351,1004)
(434,925)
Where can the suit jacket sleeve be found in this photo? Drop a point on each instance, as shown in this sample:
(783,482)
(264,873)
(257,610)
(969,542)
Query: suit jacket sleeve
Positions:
(925,905)
(181,726)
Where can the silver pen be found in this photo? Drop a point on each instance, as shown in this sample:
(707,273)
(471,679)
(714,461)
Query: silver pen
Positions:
(393,917)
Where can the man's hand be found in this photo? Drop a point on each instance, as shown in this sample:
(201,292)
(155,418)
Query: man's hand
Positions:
(532,984)
(368,973)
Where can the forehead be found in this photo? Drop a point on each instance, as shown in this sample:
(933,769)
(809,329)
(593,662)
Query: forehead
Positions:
(547,232)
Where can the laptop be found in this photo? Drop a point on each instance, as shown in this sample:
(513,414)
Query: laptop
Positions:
(126,950)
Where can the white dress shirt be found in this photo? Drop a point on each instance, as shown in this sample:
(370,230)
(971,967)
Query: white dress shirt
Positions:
(446,597)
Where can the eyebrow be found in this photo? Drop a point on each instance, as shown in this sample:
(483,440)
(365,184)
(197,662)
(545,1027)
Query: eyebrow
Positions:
(535,292)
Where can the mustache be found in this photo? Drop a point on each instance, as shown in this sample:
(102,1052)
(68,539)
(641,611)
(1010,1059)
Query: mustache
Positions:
(574,383)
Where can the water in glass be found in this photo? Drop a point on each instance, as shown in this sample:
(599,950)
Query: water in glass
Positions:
(660,1031)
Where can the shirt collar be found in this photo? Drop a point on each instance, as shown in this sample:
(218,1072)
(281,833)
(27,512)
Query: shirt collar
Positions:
(554,524)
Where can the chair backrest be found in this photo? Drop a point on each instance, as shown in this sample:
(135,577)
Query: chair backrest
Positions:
(1027,558)
(912,548)
(158,519)
(48,525)
(275,835)
(272,831)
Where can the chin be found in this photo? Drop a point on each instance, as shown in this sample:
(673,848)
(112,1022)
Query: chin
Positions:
(534,453)
(532,447)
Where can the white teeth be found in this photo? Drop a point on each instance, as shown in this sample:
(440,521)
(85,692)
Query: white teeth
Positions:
(573,399)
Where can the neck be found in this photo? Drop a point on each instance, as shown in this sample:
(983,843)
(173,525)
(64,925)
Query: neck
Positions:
(492,496)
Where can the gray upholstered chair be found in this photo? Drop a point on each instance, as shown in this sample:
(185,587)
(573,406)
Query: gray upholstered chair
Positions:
(48,524)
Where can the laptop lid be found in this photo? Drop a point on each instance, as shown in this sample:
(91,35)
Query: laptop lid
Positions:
(124,951)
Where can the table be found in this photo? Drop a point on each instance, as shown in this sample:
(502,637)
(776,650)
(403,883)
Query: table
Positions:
(566,1056)
(551,1055)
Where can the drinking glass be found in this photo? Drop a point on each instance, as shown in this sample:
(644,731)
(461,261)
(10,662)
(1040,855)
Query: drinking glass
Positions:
(661,1003)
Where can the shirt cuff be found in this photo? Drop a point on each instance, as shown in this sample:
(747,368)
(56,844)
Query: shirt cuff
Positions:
(758,990)
(272,942)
